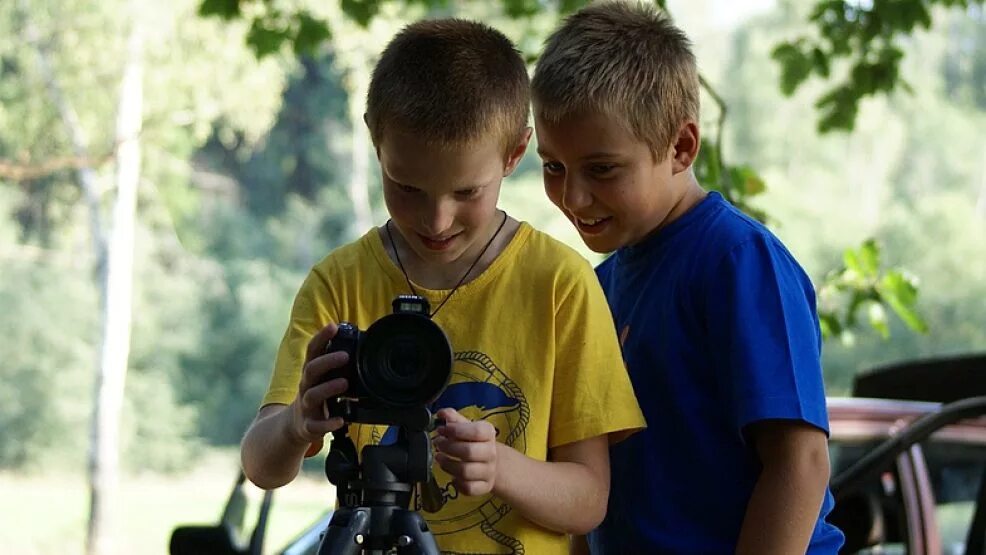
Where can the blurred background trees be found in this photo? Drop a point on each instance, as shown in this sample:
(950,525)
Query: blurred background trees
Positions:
(253,166)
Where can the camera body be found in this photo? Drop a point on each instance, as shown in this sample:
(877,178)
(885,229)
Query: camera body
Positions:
(402,361)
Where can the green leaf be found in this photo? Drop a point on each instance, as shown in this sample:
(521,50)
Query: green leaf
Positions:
(264,38)
(747,180)
(311,33)
(226,9)
(521,8)
(856,300)
(900,294)
(820,62)
(569,6)
(829,324)
(361,11)
(869,258)
(851,260)
(795,65)
(707,169)
(878,319)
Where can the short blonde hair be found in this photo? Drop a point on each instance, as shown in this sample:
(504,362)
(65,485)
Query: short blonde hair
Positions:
(626,60)
(450,81)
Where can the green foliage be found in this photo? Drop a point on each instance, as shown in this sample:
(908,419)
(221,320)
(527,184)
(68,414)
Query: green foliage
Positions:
(296,155)
(864,34)
(48,329)
(739,184)
(200,81)
(243,322)
(271,28)
(866,286)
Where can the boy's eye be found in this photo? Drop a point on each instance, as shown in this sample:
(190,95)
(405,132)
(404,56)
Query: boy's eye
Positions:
(407,189)
(553,168)
(602,169)
(467,193)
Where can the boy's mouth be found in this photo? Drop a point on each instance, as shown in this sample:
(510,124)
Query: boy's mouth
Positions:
(437,244)
(591,226)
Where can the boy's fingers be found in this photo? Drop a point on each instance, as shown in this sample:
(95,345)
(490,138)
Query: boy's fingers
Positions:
(318,428)
(317,369)
(451,415)
(318,342)
(463,484)
(459,469)
(316,396)
(483,452)
(469,431)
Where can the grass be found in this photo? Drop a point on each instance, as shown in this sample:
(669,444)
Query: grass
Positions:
(47,514)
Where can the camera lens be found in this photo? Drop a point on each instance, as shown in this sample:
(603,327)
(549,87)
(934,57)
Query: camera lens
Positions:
(405,360)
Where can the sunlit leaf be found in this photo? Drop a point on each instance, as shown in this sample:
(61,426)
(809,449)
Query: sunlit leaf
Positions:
(901,295)
(878,319)
(869,258)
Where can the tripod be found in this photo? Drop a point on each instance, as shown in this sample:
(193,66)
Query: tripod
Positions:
(373,514)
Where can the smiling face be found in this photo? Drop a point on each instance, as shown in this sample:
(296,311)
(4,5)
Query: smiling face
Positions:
(607,181)
(442,200)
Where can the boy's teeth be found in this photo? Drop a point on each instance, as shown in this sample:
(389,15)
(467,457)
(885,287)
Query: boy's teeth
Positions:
(593,221)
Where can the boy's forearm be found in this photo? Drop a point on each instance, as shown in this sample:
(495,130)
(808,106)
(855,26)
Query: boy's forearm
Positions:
(563,496)
(270,457)
(783,510)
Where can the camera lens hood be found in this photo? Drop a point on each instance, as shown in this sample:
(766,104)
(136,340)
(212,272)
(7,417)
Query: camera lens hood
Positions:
(405,360)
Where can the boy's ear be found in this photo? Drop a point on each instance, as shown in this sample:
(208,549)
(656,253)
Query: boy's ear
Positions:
(517,152)
(686,147)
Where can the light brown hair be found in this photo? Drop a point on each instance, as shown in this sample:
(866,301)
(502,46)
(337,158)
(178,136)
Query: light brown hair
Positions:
(450,81)
(626,60)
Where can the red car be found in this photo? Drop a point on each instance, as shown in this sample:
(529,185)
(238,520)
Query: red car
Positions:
(908,455)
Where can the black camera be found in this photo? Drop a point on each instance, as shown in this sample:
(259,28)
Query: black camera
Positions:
(403,360)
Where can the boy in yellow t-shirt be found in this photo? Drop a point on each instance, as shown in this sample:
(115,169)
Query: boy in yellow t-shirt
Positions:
(538,385)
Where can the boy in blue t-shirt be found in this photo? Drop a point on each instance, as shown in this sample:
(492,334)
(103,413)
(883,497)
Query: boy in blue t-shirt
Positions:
(717,319)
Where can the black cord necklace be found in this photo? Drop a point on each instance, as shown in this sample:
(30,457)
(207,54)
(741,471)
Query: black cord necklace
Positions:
(393,245)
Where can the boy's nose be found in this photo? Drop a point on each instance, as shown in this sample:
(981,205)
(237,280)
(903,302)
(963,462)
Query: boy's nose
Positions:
(575,196)
(438,218)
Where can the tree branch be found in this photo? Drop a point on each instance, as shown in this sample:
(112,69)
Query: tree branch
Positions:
(16,171)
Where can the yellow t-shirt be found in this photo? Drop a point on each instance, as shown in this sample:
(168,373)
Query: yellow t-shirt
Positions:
(535,354)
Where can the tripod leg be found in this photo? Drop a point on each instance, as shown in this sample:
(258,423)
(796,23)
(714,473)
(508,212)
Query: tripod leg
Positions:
(346,533)
(412,534)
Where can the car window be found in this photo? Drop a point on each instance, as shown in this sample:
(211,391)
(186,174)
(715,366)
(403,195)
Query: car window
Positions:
(873,518)
(956,473)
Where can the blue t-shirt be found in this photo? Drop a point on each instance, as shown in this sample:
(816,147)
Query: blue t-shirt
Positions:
(719,331)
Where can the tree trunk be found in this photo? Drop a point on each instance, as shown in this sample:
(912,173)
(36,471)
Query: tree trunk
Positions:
(85,173)
(104,452)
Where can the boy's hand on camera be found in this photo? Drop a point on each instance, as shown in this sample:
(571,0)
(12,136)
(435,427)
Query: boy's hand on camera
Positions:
(310,417)
(467,451)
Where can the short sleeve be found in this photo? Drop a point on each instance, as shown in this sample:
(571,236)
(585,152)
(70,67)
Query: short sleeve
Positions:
(311,311)
(764,335)
(592,394)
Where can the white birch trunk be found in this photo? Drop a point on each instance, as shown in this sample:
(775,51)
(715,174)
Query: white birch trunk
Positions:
(104,452)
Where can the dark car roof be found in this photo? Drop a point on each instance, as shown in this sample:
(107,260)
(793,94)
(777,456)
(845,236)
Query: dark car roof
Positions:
(942,380)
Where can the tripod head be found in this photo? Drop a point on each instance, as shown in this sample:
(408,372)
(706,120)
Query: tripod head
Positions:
(373,497)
